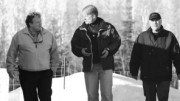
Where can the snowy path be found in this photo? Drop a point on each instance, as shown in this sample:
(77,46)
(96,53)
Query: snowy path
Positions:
(124,89)
(4,84)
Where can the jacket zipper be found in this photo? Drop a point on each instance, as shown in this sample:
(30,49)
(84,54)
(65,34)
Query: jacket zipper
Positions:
(90,47)
(91,44)
(91,51)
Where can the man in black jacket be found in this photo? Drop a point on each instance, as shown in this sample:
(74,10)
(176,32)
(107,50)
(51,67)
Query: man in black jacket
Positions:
(153,53)
(96,41)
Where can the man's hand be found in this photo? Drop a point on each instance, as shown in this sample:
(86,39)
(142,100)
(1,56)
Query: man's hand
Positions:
(85,53)
(54,69)
(105,53)
(11,74)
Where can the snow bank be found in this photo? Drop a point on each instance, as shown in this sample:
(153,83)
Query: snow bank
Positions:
(4,85)
(124,89)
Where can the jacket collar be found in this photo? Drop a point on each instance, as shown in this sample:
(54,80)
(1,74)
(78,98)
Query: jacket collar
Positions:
(39,38)
(160,30)
(103,24)
(26,31)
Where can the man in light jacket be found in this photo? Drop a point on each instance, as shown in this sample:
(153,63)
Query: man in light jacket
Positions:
(37,54)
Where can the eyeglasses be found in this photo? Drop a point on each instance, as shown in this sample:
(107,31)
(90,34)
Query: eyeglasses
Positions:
(38,39)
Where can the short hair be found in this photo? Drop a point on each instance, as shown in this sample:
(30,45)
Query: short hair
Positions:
(30,17)
(91,9)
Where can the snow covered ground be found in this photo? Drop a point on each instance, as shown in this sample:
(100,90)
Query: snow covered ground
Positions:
(124,89)
(4,85)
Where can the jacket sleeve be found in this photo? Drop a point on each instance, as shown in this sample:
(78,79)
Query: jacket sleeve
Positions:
(135,57)
(54,54)
(115,41)
(12,55)
(76,44)
(176,54)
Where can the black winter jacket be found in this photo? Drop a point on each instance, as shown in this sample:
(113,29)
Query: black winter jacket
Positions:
(154,55)
(108,38)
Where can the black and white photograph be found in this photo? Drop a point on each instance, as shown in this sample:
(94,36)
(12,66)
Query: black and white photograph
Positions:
(89,50)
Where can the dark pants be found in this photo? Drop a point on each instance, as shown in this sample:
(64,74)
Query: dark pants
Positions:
(161,88)
(36,84)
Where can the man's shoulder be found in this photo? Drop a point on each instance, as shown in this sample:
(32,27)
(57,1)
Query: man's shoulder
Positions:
(168,32)
(106,25)
(103,22)
(80,28)
(109,25)
(22,31)
(143,36)
(144,33)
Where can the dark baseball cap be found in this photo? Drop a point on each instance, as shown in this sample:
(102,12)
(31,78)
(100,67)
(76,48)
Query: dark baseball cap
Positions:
(154,16)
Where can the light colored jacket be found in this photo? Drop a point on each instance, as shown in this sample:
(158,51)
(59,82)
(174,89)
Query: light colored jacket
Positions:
(32,56)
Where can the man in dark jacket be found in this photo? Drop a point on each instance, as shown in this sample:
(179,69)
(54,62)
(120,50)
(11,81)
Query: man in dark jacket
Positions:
(153,53)
(96,41)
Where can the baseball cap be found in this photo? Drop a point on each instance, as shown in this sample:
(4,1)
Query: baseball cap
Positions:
(154,16)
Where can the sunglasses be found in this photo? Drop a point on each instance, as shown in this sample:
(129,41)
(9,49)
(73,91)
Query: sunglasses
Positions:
(37,40)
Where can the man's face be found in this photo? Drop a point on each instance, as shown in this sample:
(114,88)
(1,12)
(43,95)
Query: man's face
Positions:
(36,24)
(155,24)
(88,18)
